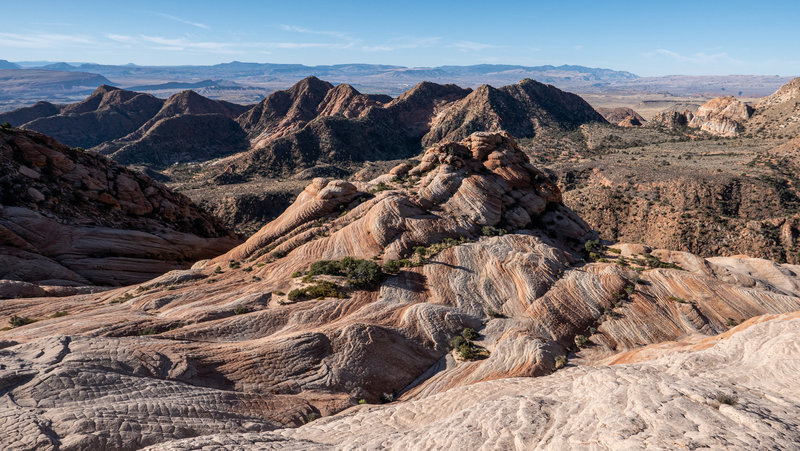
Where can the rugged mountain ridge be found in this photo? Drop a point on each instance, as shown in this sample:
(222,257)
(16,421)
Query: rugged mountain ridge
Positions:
(273,334)
(282,112)
(108,113)
(71,217)
(424,115)
(187,127)
(524,110)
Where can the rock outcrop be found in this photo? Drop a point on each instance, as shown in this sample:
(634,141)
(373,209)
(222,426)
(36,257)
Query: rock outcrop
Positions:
(472,236)
(622,114)
(71,217)
(671,119)
(722,116)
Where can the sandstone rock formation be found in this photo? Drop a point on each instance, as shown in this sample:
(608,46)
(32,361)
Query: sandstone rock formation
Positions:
(722,116)
(671,119)
(731,391)
(472,236)
(70,217)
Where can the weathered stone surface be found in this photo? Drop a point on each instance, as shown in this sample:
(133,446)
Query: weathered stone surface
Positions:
(223,354)
(85,220)
(722,116)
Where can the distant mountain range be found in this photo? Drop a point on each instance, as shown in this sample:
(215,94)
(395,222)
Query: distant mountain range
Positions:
(245,83)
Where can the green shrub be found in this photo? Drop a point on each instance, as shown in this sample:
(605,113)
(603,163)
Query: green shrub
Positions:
(469,334)
(19,321)
(494,314)
(467,351)
(561,362)
(240,310)
(457,341)
(594,246)
(5,125)
(218,270)
(359,273)
(492,231)
(582,341)
(724,398)
(362,401)
(147,331)
(320,290)
(296,274)
(233,264)
(59,314)
(614,250)
(392,267)
(380,187)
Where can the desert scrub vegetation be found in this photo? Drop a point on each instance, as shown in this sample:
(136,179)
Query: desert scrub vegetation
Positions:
(19,321)
(724,398)
(147,331)
(560,362)
(121,299)
(240,310)
(319,290)
(59,314)
(493,231)
(380,187)
(359,273)
(467,349)
(582,341)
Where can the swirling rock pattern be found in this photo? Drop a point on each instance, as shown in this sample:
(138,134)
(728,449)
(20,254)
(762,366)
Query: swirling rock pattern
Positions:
(219,357)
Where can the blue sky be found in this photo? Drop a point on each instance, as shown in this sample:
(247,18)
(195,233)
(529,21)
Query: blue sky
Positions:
(647,38)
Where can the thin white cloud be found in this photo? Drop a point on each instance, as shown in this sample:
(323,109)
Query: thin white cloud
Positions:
(187,44)
(122,38)
(336,34)
(694,58)
(472,46)
(183,21)
(42,40)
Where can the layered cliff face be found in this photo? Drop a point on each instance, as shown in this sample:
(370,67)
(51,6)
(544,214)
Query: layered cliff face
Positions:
(283,328)
(71,217)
